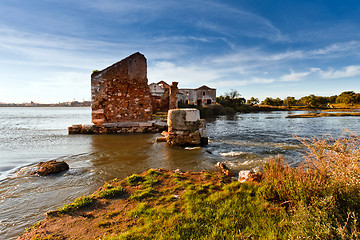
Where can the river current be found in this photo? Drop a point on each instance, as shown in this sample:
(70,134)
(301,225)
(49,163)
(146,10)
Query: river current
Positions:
(31,135)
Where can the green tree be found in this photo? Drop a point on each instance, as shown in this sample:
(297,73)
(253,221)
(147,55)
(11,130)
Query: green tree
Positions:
(231,99)
(289,101)
(348,97)
(313,101)
(278,102)
(252,101)
(268,101)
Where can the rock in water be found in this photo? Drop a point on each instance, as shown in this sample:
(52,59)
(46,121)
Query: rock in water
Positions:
(50,167)
(225,170)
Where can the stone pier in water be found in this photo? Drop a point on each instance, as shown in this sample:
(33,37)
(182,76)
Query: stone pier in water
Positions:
(185,128)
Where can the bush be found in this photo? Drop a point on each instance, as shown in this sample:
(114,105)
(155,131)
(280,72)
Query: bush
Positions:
(322,194)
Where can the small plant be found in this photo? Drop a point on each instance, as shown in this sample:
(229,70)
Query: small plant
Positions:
(141,209)
(111,193)
(134,179)
(103,224)
(95,71)
(37,224)
(142,194)
(153,172)
(77,204)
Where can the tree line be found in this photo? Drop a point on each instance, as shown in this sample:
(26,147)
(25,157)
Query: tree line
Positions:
(234,100)
(312,101)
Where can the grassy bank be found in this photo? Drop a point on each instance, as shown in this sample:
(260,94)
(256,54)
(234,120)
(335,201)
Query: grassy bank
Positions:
(325,114)
(318,200)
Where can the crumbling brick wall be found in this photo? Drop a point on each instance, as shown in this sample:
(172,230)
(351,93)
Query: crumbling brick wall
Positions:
(120,93)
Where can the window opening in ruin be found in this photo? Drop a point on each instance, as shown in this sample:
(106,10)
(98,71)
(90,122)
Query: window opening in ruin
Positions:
(208,101)
(203,93)
(199,102)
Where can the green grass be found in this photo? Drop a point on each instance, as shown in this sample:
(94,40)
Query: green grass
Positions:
(235,212)
(142,194)
(111,192)
(76,204)
(134,179)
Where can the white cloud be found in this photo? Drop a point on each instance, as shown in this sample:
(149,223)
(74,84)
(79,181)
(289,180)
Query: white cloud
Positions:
(296,76)
(349,71)
(261,81)
(188,76)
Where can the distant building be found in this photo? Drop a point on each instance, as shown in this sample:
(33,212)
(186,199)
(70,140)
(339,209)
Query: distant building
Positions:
(158,89)
(199,97)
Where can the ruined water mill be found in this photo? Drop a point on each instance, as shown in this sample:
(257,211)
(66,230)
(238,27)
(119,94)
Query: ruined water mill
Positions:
(31,135)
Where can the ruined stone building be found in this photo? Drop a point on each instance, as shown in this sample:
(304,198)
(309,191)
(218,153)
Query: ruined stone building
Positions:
(199,96)
(120,93)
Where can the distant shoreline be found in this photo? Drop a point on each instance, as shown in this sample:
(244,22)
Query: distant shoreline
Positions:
(62,104)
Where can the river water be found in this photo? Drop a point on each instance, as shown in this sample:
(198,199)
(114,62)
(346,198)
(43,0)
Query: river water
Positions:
(31,135)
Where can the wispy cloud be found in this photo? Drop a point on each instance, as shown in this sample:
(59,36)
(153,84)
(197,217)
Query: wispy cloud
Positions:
(188,76)
(349,71)
(297,76)
(257,57)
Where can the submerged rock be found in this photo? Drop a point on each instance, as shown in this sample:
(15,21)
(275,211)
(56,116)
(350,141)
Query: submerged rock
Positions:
(50,167)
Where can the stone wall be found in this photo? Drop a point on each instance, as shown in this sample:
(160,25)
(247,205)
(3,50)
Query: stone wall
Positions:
(119,128)
(120,93)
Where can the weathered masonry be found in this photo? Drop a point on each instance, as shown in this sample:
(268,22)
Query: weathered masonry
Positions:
(120,93)
(185,128)
(121,100)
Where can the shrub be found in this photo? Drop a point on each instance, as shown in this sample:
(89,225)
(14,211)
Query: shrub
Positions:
(323,193)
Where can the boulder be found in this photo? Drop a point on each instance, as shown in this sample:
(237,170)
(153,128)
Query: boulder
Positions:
(225,170)
(250,176)
(50,167)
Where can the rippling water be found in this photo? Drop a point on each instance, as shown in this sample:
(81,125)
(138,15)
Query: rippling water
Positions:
(30,135)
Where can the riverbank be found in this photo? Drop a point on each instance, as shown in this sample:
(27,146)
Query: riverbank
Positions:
(217,109)
(325,114)
(318,200)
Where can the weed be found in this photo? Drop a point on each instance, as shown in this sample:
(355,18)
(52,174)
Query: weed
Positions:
(153,172)
(77,204)
(142,194)
(134,179)
(37,224)
(141,209)
(111,193)
(111,214)
(103,224)
(149,181)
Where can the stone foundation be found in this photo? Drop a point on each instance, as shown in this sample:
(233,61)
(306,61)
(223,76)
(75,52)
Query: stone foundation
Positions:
(119,128)
(185,128)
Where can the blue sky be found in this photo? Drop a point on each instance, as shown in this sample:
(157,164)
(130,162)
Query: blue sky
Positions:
(48,48)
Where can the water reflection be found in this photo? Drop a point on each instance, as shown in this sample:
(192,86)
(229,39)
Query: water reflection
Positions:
(122,155)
